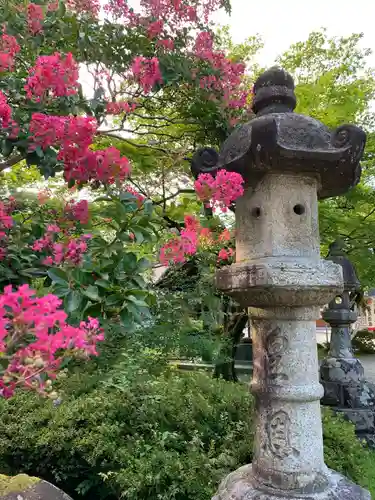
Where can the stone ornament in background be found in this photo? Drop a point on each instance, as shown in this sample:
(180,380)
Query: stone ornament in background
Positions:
(341,373)
(288,162)
(23,487)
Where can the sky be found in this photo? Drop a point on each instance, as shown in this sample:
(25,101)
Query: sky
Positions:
(283,22)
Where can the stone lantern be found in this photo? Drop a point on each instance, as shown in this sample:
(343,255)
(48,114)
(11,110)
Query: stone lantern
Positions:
(341,373)
(288,162)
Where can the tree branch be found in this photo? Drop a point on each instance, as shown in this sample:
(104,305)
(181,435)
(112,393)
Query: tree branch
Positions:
(11,161)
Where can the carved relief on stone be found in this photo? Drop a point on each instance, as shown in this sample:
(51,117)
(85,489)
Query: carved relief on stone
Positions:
(276,344)
(278,435)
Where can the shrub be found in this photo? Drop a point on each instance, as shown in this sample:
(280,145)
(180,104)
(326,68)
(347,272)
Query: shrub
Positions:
(364,342)
(169,437)
(345,453)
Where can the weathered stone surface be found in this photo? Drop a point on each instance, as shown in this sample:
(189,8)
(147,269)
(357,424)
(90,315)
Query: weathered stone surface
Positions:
(23,487)
(279,283)
(341,370)
(241,485)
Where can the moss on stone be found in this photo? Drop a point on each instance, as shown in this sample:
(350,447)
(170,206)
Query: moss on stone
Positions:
(21,482)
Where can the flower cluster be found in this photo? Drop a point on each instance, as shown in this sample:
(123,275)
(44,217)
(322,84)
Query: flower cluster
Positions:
(117,108)
(73,135)
(6,223)
(220,190)
(165,43)
(5,112)
(146,72)
(9,48)
(35,18)
(228,75)
(91,7)
(77,211)
(105,166)
(66,132)
(192,237)
(52,76)
(225,254)
(35,338)
(62,250)
(164,20)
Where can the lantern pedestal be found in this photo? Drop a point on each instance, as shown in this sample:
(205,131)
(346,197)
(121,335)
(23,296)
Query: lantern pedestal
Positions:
(242,485)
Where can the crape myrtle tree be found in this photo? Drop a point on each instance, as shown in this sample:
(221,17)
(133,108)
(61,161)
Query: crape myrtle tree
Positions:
(82,257)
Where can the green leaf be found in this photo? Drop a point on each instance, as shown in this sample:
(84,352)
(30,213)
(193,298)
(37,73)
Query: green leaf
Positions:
(7,148)
(138,235)
(73,301)
(61,290)
(93,310)
(129,261)
(135,301)
(103,284)
(92,292)
(33,272)
(58,276)
(114,299)
(143,264)
(81,277)
(148,207)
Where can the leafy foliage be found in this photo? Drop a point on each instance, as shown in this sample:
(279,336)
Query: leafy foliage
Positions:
(345,453)
(364,342)
(141,436)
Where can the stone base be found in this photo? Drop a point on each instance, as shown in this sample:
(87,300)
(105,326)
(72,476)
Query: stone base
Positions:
(240,485)
(23,487)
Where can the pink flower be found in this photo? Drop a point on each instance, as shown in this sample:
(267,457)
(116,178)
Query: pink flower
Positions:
(222,190)
(147,72)
(44,196)
(191,222)
(34,336)
(203,47)
(189,241)
(5,111)
(78,211)
(35,17)
(172,252)
(224,236)
(9,48)
(166,43)
(225,254)
(55,76)
(155,29)
(91,7)
(53,228)
(117,108)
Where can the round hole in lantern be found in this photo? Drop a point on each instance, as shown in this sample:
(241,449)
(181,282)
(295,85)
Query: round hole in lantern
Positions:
(299,209)
(256,212)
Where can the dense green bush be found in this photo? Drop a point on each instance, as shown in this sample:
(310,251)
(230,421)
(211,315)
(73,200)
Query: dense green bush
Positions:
(345,453)
(147,432)
(164,437)
(364,342)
